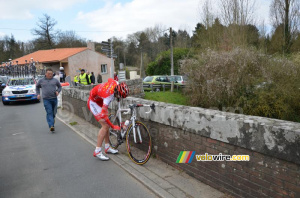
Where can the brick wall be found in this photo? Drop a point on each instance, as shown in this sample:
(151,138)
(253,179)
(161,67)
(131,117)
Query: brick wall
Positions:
(273,146)
(262,176)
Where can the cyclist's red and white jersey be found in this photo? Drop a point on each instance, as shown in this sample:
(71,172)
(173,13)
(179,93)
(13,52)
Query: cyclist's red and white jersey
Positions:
(103,93)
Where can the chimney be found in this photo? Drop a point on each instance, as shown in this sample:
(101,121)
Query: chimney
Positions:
(91,45)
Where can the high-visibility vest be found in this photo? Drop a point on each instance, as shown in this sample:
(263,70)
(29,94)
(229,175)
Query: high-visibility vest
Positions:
(90,78)
(83,79)
(76,79)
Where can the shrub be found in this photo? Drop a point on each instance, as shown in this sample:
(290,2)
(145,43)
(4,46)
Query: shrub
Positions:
(258,84)
(162,64)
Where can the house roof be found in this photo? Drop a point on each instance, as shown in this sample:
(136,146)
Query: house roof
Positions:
(48,56)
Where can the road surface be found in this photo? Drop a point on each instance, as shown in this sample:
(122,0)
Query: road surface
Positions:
(37,163)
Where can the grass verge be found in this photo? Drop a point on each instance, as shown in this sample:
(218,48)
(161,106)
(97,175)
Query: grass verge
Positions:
(73,123)
(167,96)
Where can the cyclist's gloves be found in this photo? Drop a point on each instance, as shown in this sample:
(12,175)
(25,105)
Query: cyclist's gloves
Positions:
(116,127)
(104,116)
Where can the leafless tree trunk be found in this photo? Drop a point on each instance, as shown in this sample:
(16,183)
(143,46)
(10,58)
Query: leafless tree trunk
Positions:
(45,30)
(286,13)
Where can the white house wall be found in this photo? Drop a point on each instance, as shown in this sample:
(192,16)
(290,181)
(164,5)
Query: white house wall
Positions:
(90,61)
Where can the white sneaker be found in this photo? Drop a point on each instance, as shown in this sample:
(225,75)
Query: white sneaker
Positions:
(101,156)
(111,150)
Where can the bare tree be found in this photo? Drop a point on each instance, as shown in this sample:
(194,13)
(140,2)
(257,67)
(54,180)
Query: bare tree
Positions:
(238,16)
(45,31)
(154,33)
(69,39)
(263,36)
(286,13)
(207,15)
(238,12)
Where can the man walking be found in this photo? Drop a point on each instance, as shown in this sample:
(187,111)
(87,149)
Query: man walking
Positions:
(50,88)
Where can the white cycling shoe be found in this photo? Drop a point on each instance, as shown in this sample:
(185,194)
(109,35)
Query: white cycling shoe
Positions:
(111,150)
(101,156)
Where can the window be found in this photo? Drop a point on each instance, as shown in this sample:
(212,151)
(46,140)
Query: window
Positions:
(3,80)
(103,68)
(178,78)
(163,79)
(148,79)
(21,81)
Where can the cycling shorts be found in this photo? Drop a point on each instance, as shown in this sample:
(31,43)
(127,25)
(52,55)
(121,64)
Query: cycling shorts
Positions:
(95,108)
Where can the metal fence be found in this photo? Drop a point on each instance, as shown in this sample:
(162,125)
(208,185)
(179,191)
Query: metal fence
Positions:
(20,70)
(161,87)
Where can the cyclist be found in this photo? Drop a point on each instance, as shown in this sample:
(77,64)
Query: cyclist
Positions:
(100,97)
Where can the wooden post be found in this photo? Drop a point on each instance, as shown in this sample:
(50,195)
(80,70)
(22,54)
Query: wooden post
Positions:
(172,63)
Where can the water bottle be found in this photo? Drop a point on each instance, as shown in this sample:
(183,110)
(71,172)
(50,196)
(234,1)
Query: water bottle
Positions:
(126,124)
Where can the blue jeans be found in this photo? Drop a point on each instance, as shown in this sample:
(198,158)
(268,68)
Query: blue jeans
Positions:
(51,109)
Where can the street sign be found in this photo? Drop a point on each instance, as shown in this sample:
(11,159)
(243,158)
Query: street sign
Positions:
(122,76)
(105,50)
(105,43)
(114,56)
(107,47)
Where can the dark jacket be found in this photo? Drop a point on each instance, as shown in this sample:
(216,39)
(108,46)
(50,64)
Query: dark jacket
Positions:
(99,78)
(93,79)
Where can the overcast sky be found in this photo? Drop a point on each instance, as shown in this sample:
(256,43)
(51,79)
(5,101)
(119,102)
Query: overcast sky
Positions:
(99,20)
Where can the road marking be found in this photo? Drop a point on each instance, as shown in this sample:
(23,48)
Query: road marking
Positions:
(17,133)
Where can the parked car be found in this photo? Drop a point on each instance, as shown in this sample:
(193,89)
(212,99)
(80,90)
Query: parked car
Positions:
(181,80)
(39,77)
(155,80)
(19,89)
(3,81)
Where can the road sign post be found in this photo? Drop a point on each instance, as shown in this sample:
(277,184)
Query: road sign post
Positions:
(107,48)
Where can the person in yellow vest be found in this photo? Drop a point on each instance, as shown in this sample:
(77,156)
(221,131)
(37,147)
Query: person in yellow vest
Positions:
(76,80)
(89,75)
(84,78)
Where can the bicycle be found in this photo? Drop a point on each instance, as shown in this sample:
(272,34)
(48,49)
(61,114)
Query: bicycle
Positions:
(136,134)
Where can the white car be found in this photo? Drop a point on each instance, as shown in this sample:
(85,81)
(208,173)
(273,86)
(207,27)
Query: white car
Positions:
(181,80)
(19,89)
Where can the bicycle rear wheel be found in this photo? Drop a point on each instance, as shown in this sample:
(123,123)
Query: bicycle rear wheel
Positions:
(114,136)
(139,151)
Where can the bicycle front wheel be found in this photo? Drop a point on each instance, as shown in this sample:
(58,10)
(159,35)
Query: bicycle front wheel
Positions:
(139,148)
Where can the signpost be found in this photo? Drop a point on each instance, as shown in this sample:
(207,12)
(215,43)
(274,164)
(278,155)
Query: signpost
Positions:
(107,48)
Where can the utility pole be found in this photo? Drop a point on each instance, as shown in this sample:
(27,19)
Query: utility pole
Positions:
(112,70)
(172,63)
(142,68)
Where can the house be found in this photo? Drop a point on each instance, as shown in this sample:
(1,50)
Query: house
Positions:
(72,59)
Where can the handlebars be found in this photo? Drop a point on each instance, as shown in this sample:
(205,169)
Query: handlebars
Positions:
(127,112)
(133,106)
(152,108)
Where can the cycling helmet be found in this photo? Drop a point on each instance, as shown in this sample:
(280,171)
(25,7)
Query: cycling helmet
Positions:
(121,90)
(61,68)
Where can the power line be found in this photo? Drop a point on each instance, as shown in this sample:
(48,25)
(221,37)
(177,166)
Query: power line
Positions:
(70,30)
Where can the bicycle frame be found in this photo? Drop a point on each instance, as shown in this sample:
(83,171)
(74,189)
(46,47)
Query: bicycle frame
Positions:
(119,115)
(132,109)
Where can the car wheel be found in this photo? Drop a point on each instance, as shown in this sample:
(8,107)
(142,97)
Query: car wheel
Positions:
(5,103)
(37,101)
